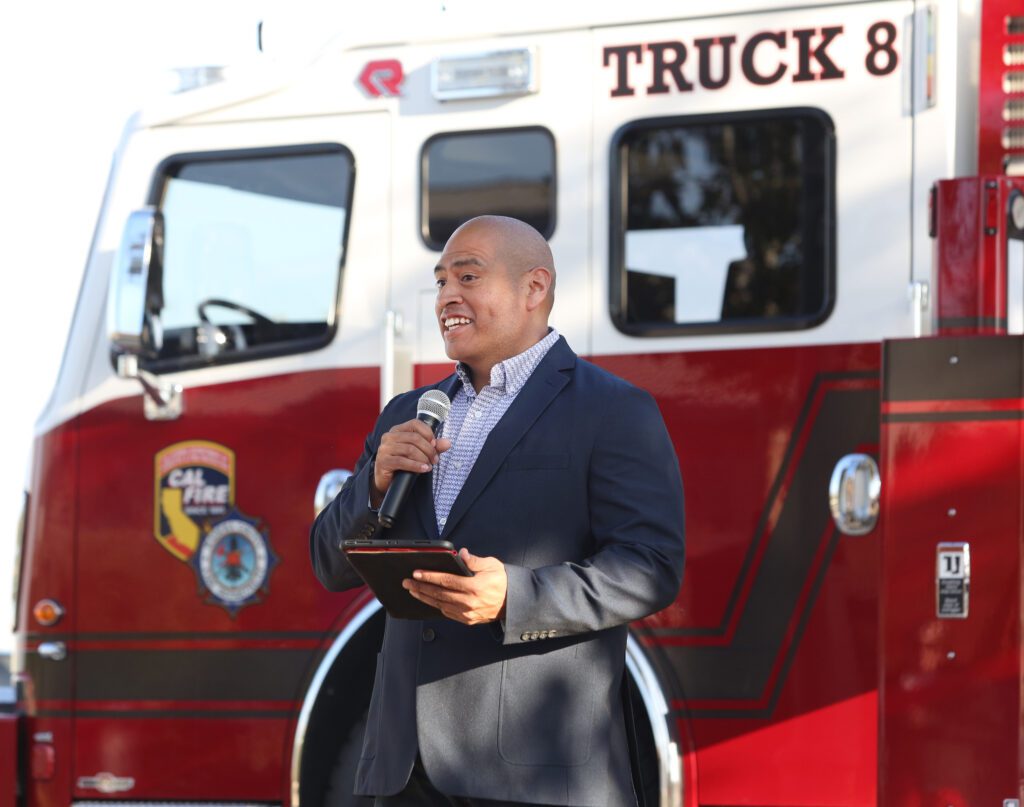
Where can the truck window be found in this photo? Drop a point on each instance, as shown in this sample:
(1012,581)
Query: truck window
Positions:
(504,172)
(253,245)
(723,223)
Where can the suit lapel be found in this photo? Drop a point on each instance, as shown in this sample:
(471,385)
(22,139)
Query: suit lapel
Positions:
(423,490)
(535,396)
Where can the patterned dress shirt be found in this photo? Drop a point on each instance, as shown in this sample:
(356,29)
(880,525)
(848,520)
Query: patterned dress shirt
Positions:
(472,417)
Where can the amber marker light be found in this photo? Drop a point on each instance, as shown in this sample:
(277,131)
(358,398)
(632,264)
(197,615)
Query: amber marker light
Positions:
(47,613)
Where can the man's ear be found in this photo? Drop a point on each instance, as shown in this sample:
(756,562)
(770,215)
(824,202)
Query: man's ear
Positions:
(538,280)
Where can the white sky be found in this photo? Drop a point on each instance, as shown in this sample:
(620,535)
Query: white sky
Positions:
(70,74)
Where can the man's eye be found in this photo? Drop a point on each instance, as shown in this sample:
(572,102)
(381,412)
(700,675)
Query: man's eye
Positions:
(467,278)
(439,283)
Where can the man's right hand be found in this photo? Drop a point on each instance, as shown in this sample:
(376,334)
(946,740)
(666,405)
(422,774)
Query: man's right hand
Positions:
(409,446)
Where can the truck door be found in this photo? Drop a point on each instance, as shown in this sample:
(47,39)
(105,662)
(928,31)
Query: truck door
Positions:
(197,615)
(751,219)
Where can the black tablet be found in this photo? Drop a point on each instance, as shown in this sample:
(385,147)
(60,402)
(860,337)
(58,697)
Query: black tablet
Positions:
(384,564)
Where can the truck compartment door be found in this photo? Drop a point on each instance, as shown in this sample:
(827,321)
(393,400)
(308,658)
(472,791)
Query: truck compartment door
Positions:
(950,614)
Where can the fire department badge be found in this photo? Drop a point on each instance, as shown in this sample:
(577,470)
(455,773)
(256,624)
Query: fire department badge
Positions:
(233,562)
(195,519)
(195,483)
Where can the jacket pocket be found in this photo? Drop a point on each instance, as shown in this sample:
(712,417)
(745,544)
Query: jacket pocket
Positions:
(546,714)
(373,715)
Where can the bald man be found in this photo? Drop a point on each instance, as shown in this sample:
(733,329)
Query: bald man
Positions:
(560,486)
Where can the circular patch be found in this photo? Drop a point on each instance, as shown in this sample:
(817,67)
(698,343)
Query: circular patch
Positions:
(233,561)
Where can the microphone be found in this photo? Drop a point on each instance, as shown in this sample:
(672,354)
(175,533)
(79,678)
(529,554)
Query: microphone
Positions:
(432,409)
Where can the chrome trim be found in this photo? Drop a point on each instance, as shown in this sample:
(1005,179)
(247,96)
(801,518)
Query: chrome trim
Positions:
(528,86)
(853,493)
(328,487)
(670,767)
(396,373)
(55,651)
(115,803)
(162,399)
(329,658)
(106,782)
(920,301)
(130,313)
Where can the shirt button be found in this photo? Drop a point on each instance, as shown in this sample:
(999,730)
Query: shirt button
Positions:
(457,463)
(442,521)
(428,634)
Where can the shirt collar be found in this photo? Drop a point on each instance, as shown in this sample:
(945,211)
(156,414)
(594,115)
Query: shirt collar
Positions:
(509,376)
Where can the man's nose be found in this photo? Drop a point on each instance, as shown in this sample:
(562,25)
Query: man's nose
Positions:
(446,295)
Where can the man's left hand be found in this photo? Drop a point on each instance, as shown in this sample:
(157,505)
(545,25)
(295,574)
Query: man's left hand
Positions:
(469,600)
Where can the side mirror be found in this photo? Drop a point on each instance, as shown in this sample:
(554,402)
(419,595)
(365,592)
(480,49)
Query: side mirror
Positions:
(135,298)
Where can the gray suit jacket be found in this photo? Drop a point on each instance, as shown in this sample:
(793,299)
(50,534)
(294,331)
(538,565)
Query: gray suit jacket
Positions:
(577,490)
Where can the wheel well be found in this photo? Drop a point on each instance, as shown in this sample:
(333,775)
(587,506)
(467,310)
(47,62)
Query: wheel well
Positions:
(343,695)
(657,736)
(342,698)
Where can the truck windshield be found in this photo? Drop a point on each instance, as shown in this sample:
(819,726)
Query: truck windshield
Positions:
(253,247)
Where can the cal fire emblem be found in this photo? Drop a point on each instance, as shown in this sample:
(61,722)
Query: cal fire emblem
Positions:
(197,522)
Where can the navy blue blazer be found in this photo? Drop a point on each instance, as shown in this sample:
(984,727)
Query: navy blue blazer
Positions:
(577,490)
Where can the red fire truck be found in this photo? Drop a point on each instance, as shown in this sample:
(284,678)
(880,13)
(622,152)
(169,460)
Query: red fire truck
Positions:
(799,226)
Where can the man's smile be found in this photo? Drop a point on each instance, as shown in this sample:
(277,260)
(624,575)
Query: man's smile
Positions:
(454,324)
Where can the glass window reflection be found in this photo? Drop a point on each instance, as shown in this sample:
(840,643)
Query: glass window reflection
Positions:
(253,246)
(501,172)
(726,222)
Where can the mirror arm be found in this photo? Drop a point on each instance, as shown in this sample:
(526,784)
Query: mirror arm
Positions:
(163,398)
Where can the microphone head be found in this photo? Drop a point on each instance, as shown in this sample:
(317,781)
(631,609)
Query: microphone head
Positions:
(435,403)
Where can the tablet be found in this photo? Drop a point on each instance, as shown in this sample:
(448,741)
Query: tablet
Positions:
(384,564)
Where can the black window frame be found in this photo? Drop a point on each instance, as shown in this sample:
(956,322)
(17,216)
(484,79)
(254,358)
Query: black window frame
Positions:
(618,184)
(424,223)
(168,169)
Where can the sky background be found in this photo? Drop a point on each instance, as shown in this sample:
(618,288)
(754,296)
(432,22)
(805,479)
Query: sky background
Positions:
(70,75)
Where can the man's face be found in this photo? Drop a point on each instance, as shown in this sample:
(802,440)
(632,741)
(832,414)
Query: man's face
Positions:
(481,306)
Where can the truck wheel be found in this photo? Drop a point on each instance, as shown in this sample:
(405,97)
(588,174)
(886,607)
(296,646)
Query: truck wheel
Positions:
(343,774)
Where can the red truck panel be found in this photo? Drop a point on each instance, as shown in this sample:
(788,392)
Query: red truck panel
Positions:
(950,701)
(8,759)
(972,221)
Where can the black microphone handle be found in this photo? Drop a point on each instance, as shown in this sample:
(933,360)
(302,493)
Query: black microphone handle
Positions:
(401,482)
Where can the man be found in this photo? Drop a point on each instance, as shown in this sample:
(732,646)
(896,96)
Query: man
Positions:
(560,485)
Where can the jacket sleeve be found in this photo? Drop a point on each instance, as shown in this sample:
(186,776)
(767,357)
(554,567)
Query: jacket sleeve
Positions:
(348,516)
(636,514)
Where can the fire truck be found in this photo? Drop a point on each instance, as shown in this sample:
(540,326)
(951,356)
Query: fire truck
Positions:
(799,226)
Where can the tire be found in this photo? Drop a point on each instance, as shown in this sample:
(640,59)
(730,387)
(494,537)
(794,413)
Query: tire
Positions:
(343,773)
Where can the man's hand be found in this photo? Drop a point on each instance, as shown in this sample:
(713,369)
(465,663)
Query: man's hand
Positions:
(469,600)
(409,446)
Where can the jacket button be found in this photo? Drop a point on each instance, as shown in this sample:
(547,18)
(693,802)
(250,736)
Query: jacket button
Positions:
(428,634)
(526,636)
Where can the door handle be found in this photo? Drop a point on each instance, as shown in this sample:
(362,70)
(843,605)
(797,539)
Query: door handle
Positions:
(853,494)
(330,485)
(55,651)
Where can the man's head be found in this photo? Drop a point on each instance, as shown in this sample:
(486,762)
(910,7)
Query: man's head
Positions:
(495,288)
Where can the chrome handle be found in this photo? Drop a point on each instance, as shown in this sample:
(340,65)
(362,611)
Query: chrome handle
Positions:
(330,486)
(396,365)
(55,651)
(853,494)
